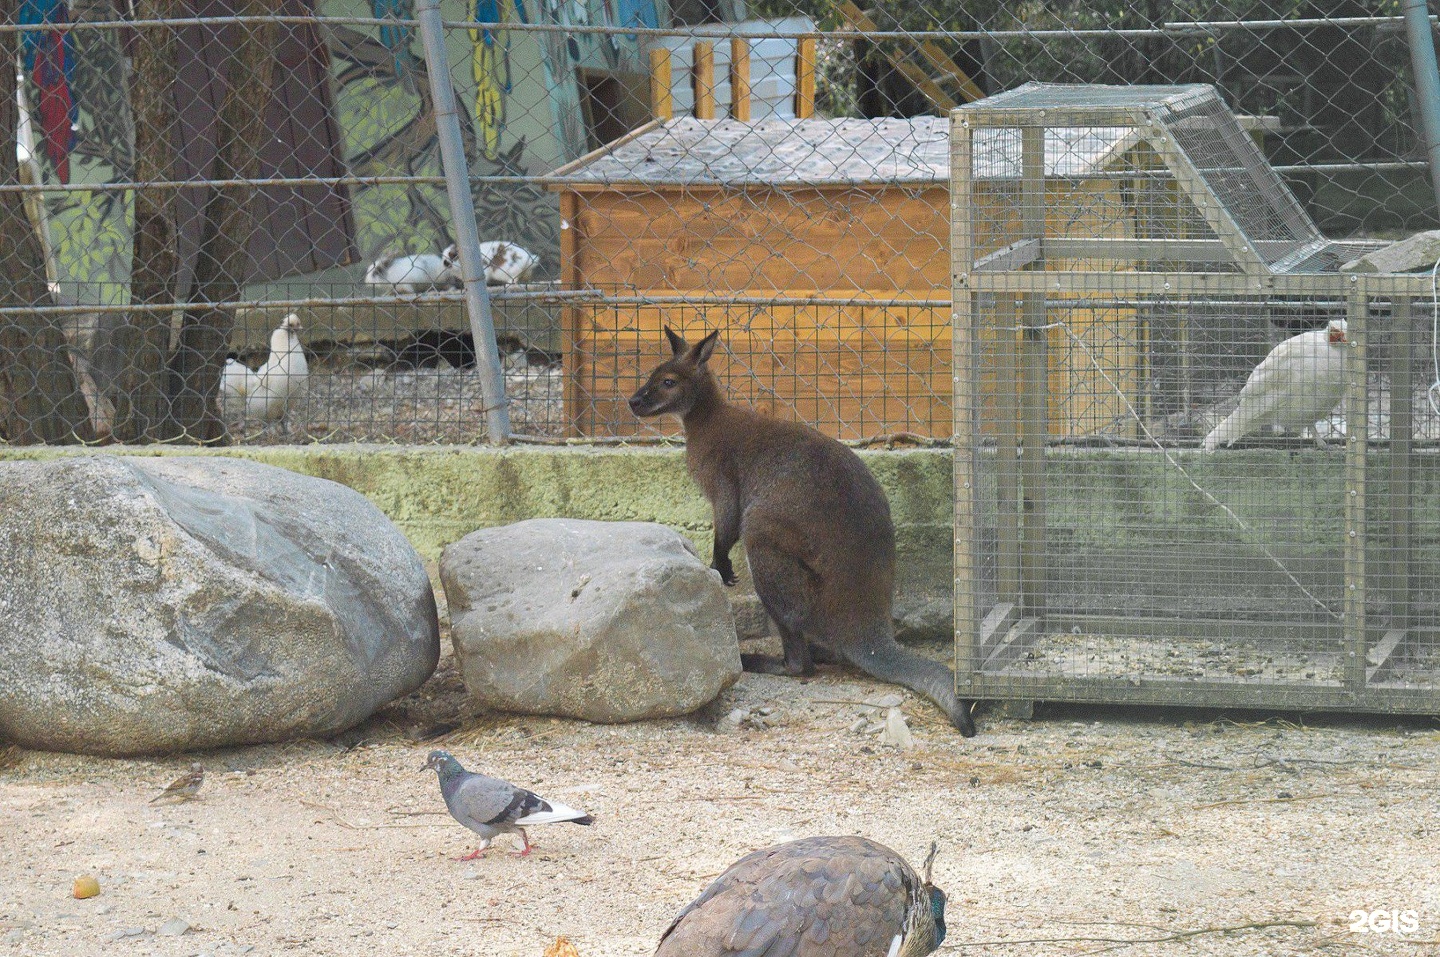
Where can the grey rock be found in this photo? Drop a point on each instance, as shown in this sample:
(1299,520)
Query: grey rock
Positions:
(179,603)
(897,732)
(126,932)
(603,621)
(173,927)
(923,618)
(731,722)
(14,936)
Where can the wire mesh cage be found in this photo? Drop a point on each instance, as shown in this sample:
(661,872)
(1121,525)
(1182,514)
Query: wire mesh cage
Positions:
(1195,440)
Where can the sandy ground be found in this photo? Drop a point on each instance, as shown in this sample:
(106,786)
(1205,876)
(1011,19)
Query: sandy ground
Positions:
(1062,835)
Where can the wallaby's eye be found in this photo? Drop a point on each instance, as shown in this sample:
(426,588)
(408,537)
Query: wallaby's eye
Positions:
(668,383)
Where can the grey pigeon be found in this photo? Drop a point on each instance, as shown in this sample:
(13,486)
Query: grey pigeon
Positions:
(489,806)
(184,787)
(816,897)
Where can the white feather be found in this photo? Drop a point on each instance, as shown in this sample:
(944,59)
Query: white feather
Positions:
(895,943)
(557,813)
(1298,383)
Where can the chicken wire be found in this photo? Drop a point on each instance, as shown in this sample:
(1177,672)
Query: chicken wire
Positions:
(1193,466)
(817,237)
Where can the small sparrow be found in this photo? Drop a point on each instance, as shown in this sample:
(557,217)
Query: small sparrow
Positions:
(183,788)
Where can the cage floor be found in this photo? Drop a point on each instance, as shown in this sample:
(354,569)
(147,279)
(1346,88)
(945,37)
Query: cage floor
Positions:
(1077,654)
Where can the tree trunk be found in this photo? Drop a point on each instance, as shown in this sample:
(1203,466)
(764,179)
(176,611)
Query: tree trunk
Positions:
(141,402)
(195,368)
(40,399)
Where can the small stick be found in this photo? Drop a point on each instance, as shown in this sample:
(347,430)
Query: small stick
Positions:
(1166,939)
(1276,800)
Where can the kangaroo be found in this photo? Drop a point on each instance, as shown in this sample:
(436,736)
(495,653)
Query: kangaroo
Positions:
(815,525)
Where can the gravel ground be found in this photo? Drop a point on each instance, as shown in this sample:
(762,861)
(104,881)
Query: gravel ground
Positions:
(1062,835)
(350,400)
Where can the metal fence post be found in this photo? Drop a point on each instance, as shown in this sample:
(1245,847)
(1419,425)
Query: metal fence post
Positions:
(1427,82)
(462,213)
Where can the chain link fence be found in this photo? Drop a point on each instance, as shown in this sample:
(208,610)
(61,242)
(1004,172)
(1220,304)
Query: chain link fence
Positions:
(189,175)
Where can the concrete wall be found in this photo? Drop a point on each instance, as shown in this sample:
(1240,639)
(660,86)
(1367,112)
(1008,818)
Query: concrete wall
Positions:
(437,495)
(1127,534)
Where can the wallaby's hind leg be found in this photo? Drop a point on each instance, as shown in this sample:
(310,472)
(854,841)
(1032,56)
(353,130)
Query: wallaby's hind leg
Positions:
(796,660)
(785,590)
(885,659)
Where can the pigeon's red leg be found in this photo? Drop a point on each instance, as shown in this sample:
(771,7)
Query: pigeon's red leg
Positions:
(478,852)
(526,838)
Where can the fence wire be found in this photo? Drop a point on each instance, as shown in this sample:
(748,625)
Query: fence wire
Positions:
(189,175)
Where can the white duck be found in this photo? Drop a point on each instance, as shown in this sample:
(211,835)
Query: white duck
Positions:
(1298,383)
(505,263)
(269,392)
(410,274)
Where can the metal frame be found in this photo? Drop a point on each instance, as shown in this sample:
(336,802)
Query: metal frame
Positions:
(988,638)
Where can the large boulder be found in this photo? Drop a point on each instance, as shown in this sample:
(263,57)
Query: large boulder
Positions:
(605,621)
(173,603)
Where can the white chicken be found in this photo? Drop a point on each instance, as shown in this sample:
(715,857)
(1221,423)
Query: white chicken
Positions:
(505,263)
(1298,383)
(269,392)
(406,275)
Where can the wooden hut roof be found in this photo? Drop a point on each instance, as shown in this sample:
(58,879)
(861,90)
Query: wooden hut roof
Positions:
(779,152)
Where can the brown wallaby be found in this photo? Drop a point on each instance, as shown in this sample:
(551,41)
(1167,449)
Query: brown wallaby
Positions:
(815,524)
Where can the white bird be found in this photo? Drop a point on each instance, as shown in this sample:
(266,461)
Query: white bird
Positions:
(505,263)
(409,274)
(269,392)
(1298,383)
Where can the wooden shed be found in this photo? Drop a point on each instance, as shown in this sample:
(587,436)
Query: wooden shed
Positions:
(699,224)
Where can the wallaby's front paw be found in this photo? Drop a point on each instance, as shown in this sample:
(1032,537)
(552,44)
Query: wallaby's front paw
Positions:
(727,573)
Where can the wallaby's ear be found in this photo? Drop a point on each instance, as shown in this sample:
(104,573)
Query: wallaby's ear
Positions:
(677,344)
(705,348)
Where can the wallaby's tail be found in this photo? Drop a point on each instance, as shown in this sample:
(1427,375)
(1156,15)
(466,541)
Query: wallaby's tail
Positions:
(883,658)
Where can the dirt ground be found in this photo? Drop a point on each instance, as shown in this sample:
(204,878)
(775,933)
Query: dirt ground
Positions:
(1080,832)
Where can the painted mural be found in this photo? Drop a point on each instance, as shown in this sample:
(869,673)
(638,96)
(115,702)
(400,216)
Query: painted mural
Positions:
(522,117)
(88,141)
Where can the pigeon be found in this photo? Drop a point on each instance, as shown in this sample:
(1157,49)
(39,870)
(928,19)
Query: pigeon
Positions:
(1297,384)
(505,263)
(489,806)
(183,788)
(410,274)
(830,896)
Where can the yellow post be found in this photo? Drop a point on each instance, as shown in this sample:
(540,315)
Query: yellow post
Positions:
(805,78)
(704,72)
(662,104)
(740,79)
